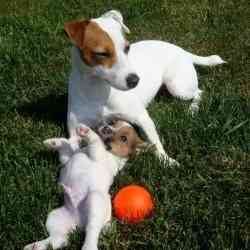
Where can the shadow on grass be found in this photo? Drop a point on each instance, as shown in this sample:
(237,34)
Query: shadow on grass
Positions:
(50,108)
(53,107)
(163,93)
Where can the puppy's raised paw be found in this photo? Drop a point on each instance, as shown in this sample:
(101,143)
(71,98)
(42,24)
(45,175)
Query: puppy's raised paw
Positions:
(193,109)
(55,143)
(82,130)
(168,160)
(172,162)
(32,246)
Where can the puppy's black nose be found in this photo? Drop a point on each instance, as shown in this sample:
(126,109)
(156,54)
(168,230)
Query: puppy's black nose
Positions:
(107,143)
(132,80)
(106,130)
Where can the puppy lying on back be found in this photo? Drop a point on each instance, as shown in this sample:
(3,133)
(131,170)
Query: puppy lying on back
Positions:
(86,178)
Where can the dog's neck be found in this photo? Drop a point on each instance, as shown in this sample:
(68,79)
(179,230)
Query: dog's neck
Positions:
(118,165)
(96,88)
(120,162)
(111,161)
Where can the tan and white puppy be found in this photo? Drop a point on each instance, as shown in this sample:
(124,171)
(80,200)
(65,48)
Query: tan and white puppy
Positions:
(86,178)
(104,65)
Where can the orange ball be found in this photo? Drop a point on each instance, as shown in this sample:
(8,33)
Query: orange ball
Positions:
(132,204)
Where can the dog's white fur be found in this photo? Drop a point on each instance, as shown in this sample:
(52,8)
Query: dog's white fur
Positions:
(86,178)
(96,91)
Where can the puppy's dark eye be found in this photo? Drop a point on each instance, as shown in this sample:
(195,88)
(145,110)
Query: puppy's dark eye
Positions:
(127,48)
(123,139)
(111,122)
(102,55)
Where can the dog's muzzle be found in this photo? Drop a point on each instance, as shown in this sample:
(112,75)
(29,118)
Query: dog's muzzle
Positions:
(107,143)
(106,131)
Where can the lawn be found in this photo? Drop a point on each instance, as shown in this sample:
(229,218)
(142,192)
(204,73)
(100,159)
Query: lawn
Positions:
(202,204)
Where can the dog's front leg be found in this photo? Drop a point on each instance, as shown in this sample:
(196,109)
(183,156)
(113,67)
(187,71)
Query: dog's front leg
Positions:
(63,146)
(148,126)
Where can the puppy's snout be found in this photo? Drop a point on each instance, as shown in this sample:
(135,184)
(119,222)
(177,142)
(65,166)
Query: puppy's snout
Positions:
(132,80)
(107,143)
(106,130)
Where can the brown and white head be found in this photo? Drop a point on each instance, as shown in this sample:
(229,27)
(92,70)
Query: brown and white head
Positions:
(121,138)
(104,49)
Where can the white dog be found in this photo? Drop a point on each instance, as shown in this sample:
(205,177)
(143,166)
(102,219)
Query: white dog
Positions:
(111,77)
(86,178)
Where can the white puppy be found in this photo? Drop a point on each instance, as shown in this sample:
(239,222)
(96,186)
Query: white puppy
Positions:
(86,178)
(111,77)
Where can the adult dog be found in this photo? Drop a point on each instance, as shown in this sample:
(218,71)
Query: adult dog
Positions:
(111,77)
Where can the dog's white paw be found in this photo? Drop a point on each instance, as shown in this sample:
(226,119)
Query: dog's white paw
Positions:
(32,246)
(172,162)
(166,159)
(193,109)
(107,227)
(54,143)
(82,130)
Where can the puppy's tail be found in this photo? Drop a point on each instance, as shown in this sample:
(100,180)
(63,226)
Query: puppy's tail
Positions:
(207,60)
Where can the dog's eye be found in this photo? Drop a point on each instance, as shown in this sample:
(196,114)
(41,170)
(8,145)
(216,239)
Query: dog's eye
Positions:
(124,139)
(127,48)
(111,122)
(101,55)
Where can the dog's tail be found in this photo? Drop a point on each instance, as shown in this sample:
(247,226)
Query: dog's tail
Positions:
(207,60)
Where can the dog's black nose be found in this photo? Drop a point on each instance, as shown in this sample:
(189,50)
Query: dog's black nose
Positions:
(107,143)
(132,80)
(106,130)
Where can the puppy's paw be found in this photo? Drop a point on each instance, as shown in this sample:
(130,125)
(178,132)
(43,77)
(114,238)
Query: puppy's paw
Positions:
(172,162)
(193,109)
(168,160)
(55,143)
(107,227)
(32,246)
(82,130)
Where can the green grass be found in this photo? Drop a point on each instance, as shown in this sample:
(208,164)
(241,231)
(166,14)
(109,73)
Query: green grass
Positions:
(204,203)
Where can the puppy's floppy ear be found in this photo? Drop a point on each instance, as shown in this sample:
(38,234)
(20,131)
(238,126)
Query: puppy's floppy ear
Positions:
(75,31)
(117,16)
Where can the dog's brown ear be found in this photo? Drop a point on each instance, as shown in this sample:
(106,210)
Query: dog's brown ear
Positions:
(75,31)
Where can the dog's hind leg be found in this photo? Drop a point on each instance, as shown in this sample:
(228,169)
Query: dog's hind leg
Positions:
(99,211)
(184,85)
(59,224)
(194,106)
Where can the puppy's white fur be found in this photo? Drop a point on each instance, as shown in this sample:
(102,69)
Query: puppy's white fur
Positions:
(86,178)
(95,91)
